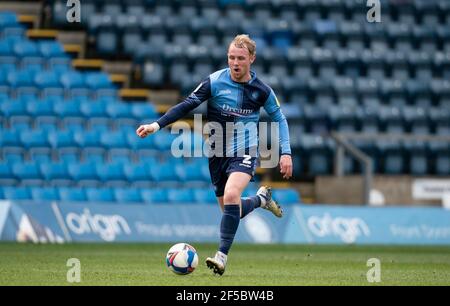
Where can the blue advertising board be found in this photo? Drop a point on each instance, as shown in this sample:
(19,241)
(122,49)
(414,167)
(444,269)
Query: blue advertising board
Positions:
(58,222)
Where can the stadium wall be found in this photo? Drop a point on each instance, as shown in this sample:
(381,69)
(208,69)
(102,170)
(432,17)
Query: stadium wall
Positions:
(319,224)
(395,190)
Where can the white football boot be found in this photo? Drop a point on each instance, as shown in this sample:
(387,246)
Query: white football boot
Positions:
(265,193)
(217,263)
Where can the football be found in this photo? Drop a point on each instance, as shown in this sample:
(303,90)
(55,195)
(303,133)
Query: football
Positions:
(182,258)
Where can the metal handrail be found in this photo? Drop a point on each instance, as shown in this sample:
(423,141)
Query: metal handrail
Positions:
(342,146)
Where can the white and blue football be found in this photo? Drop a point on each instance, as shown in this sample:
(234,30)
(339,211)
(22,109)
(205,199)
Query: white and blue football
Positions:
(182,258)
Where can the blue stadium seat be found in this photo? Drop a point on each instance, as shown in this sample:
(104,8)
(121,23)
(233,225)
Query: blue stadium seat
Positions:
(280,36)
(40,108)
(39,157)
(67,157)
(10,139)
(6,174)
(317,154)
(440,154)
(398,63)
(72,79)
(138,174)
(91,109)
(44,194)
(88,139)
(20,78)
(348,62)
(26,48)
(391,120)
(119,110)
(286,196)
(8,19)
(16,32)
(93,156)
(353,35)
(107,41)
(56,174)
(13,157)
(17,193)
(422,65)
(72,194)
(114,140)
(344,89)
(163,173)
(128,195)
(301,61)
(192,175)
(62,139)
(393,92)
(416,121)
(102,195)
(342,119)
(163,140)
(392,156)
(20,123)
(155,196)
(417,157)
(143,111)
(67,109)
(153,73)
(122,156)
(400,36)
(441,91)
(327,31)
(178,69)
(46,80)
(28,173)
(111,175)
(84,174)
(148,157)
(205,196)
(60,65)
(316,119)
(325,63)
(132,37)
(374,63)
(49,49)
(34,139)
(6,50)
(368,119)
(98,81)
(441,120)
(180,196)
(324,98)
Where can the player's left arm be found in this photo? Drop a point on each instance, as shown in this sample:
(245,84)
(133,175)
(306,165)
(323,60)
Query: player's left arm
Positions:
(272,107)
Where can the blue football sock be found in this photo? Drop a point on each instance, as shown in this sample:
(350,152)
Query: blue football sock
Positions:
(229,226)
(249,204)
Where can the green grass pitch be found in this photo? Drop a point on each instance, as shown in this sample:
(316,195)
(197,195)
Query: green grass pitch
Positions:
(265,265)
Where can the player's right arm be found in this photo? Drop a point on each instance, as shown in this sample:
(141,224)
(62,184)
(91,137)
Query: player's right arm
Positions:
(198,96)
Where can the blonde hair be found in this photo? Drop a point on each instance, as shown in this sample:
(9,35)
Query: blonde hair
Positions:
(244,41)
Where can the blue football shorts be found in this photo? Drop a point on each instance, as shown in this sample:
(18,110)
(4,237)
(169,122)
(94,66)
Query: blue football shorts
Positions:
(220,169)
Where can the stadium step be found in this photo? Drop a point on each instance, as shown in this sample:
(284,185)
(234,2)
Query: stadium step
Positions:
(121,80)
(30,20)
(42,34)
(87,64)
(73,49)
(134,94)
